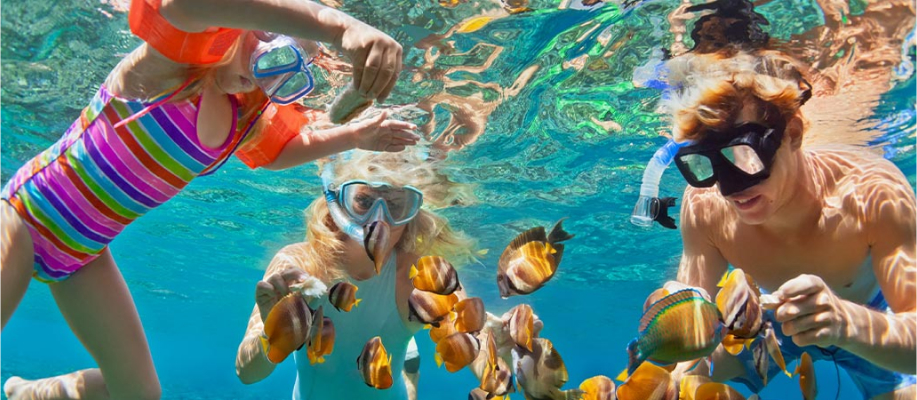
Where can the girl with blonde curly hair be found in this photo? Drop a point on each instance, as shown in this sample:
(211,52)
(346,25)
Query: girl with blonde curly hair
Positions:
(366,189)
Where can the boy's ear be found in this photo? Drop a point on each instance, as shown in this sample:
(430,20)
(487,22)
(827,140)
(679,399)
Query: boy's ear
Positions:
(795,128)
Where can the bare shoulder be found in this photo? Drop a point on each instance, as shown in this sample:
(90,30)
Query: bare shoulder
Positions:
(868,176)
(867,183)
(144,73)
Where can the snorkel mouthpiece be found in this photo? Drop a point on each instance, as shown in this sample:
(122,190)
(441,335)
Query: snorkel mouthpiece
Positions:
(650,207)
(376,242)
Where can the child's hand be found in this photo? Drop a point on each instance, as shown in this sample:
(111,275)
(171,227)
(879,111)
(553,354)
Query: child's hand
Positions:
(376,59)
(274,287)
(381,134)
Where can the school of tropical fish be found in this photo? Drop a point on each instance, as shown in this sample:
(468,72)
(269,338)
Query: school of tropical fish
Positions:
(508,356)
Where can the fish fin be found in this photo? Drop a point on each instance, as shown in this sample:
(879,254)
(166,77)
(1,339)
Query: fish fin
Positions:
(427,326)
(356,302)
(622,376)
(748,343)
(633,360)
(321,360)
(413,272)
(483,252)
(439,360)
(723,280)
(558,255)
(265,345)
(558,234)
(549,249)
(535,234)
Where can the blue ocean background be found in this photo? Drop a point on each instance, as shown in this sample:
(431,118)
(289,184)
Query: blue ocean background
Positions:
(567,142)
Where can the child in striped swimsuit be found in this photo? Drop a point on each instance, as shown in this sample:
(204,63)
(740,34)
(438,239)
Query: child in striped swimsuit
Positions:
(133,148)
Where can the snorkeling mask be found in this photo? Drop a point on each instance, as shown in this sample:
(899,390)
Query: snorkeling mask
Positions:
(366,211)
(281,70)
(738,158)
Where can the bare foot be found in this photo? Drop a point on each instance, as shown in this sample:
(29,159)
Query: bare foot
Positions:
(13,387)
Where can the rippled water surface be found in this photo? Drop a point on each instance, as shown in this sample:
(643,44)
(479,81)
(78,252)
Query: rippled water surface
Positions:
(548,113)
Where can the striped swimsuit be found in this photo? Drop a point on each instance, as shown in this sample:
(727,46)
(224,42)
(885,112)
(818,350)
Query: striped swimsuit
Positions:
(77,195)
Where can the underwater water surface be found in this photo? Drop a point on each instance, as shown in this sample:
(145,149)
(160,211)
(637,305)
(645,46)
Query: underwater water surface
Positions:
(547,112)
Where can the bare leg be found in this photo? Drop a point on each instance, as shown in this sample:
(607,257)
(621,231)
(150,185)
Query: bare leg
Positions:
(16,260)
(96,303)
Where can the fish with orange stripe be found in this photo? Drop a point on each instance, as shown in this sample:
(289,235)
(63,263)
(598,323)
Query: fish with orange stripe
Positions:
(522,325)
(434,274)
(530,260)
(541,373)
(648,382)
(287,327)
(343,296)
(430,308)
(375,365)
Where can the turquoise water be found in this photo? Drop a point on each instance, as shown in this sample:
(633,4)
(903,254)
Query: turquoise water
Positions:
(568,142)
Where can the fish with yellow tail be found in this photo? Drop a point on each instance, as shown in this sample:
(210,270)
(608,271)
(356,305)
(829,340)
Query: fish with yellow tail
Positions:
(530,260)
(457,351)
(541,373)
(286,327)
(376,240)
(493,372)
(430,308)
(343,296)
(321,341)
(470,315)
(648,382)
(598,387)
(479,394)
(679,327)
(434,274)
(806,371)
(522,325)
(375,365)
(739,302)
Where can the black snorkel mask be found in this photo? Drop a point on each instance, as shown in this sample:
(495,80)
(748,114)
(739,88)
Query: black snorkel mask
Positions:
(737,159)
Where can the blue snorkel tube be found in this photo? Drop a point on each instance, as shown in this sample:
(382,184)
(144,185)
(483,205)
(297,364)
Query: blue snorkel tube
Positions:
(337,214)
(649,206)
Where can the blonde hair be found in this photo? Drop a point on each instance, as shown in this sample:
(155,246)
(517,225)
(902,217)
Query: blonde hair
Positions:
(427,234)
(711,89)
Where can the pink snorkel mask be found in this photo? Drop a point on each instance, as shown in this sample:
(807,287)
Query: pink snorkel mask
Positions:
(280,67)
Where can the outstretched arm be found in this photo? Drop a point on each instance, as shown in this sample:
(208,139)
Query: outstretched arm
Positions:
(377,134)
(376,57)
(252,365)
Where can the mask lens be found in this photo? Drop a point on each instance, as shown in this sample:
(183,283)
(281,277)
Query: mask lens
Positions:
(296,86)
(744,158)
(698,165)
(281,59)
(360,199)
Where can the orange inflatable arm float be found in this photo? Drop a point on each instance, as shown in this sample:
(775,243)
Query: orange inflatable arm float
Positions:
(183,47)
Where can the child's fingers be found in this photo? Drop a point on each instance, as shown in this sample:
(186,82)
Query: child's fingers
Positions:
(372,70)
(293,275)
(406,135)
(359,61)
(280,286)
(393,59)
(396,124)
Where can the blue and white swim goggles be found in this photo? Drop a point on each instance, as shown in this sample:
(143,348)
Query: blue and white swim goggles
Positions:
(365,201)
(281,70)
